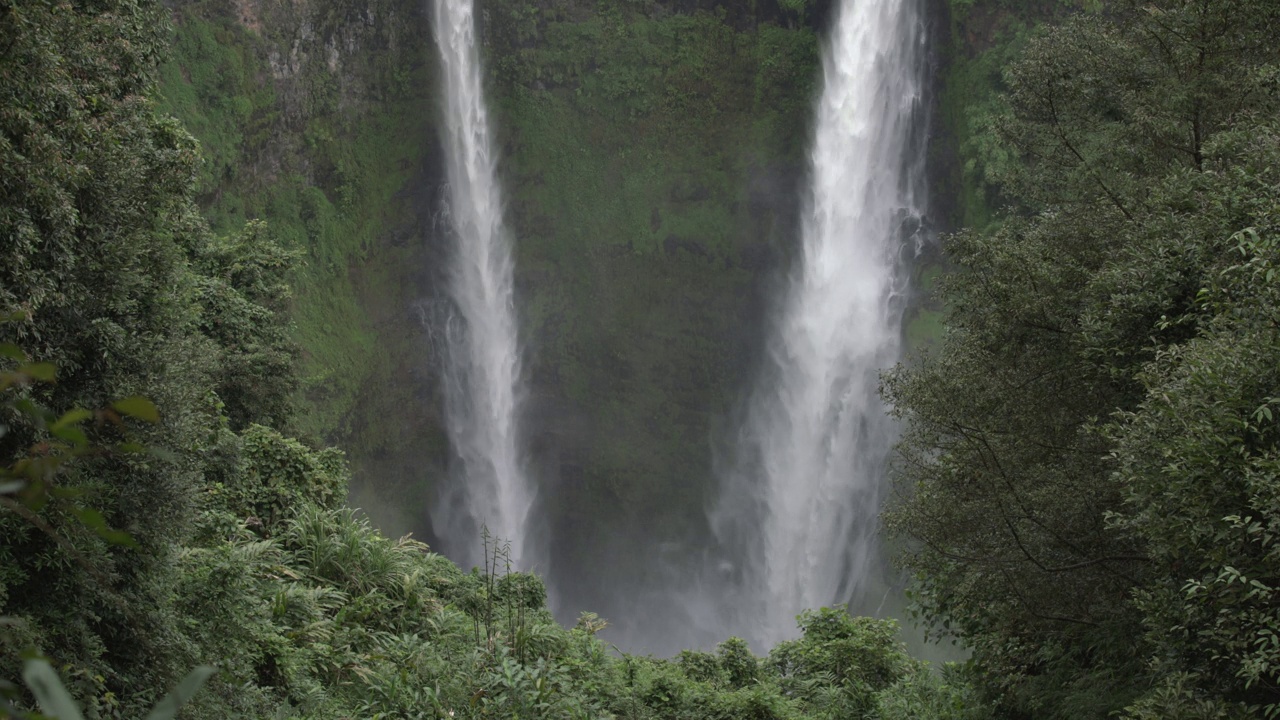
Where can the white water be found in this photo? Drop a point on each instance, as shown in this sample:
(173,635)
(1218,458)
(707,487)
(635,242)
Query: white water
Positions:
(798,510)
(482,388)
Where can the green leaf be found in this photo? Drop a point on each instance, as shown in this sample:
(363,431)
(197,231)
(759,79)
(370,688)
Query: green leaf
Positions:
(30,409)
(44,372)
(72,417)
(168,707)
(138,407)
(72,435)
(94,520)
(90,517)
(13,352)
(119,538)
(53,697)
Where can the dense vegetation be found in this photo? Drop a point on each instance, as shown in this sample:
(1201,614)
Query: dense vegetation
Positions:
(633,301)
(325,144)
(1088,484)
(1089,468)
(320,118)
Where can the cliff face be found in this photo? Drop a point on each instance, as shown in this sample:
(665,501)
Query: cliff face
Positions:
(320,117)
(653,165)
(653,153)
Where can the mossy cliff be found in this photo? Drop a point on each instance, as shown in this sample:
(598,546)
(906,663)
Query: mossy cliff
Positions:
(974,41)
(653,155)
(983,37)
(319,117)
(653,161)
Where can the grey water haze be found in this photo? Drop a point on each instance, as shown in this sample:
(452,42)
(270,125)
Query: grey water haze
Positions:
(793,524)
(482,384)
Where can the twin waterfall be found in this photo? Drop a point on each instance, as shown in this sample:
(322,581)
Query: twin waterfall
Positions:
(796,513)
(482,377)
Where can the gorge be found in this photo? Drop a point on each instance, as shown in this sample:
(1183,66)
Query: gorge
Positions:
(795,518)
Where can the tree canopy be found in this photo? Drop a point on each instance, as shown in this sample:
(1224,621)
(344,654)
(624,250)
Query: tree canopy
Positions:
(120,286)
(1088,468)
(1089,477)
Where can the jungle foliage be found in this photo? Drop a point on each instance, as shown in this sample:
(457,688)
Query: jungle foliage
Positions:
(1089,467)
(286,132)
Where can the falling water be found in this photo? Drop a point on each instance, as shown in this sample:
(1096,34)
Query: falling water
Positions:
(483,366)
(798,509)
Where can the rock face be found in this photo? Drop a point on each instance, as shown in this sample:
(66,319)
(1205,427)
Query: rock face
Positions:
(653,159)
(652,154)
(320,117)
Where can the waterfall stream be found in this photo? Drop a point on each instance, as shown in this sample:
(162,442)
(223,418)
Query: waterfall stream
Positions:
(797,509)
(482,376)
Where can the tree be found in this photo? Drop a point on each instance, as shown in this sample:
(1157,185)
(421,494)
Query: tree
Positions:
(797,8)
(840,662)
(1131,182)
(242,289)
(123,289)
(1199,460)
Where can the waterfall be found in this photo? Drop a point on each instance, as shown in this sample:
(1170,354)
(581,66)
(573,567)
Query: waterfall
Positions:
(797,510)
(482,374)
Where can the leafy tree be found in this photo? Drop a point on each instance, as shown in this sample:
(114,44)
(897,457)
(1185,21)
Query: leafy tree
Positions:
(122,288)
(798,8)
(242,289)
(924,693)
(1037,474)
(840,663)
(1199,459)
(56,702)
(96,224)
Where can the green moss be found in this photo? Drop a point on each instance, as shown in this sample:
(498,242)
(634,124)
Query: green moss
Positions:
(634,140)
(330,189)
(211,85)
